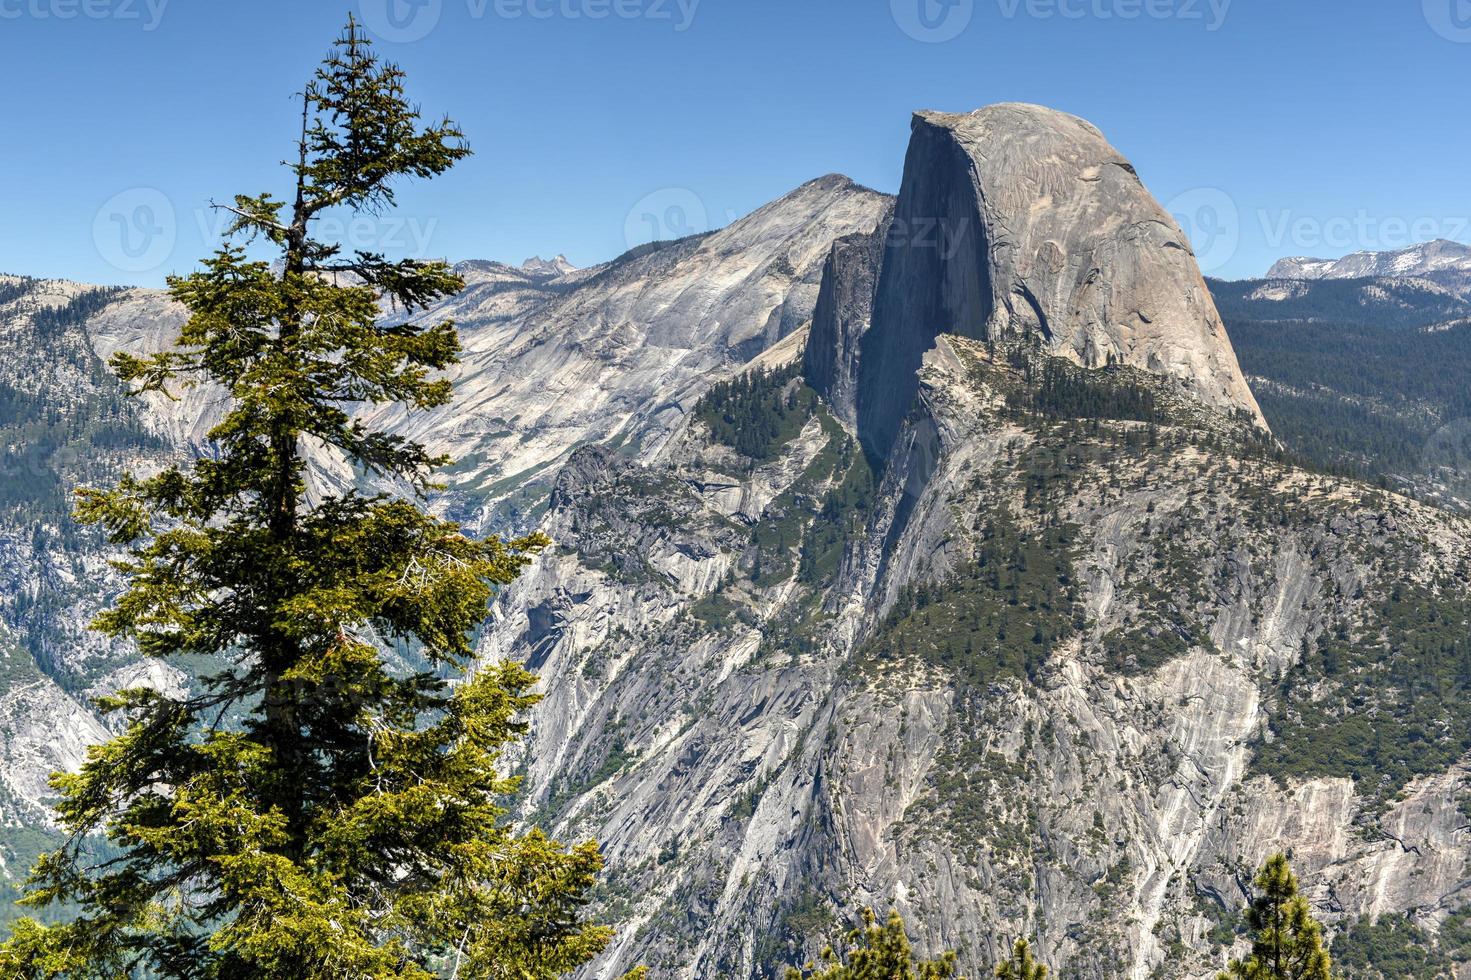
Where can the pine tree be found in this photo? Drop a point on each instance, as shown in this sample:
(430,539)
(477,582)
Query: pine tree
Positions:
(1286,943)
(1021,965)
(877,952)
(305,811)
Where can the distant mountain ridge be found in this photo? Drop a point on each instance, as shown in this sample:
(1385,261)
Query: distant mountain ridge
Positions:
(1411,302)
(1445,262)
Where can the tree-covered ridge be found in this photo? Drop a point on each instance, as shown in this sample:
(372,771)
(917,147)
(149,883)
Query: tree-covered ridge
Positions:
(758,412)
(351,822)
(1398,304)
(999,616)
(1060,389)
(1353,378)
(1394,948)
(1033,386)
(1380,700)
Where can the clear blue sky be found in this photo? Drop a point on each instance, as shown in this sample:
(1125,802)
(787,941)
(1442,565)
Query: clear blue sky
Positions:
(1276,126)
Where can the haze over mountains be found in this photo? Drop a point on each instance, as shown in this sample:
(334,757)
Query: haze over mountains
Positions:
(930,552)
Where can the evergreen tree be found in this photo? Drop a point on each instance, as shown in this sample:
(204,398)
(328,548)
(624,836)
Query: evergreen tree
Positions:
(306,811)
(1021,965)
(1286,943)
(877,952)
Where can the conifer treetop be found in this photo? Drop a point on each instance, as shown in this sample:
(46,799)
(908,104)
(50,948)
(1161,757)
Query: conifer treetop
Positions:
(309,807)
(1286,941)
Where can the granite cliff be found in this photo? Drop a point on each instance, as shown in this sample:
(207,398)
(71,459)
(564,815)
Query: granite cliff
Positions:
(987,596)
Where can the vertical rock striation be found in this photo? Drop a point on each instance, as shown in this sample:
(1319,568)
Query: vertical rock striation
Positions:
(842,316)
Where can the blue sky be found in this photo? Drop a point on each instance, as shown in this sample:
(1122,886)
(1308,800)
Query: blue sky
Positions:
(1272,127)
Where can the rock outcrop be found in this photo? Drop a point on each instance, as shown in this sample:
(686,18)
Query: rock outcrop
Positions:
(1019,221)
(843,316)
(547,268)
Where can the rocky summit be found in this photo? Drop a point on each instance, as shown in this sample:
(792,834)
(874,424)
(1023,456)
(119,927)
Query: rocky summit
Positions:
(1020,221)
(926,553)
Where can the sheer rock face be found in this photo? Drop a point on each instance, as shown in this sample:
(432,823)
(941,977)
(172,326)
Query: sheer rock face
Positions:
(1017,220)
(755,760)
(843,316)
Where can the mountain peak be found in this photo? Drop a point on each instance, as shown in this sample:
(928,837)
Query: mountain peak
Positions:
(1426,258)
(1019,221)
(540,267)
